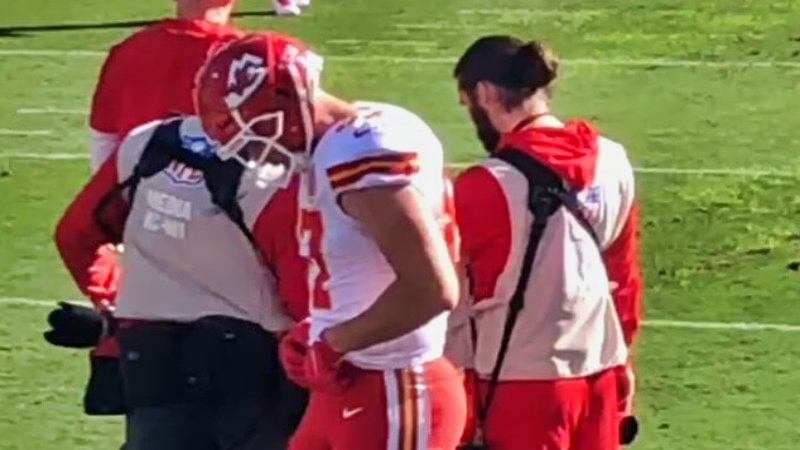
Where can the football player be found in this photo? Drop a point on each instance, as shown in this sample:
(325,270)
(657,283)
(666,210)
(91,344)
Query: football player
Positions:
(377,230)
(289,7)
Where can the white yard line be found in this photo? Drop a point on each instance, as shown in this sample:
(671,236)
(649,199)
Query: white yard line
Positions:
(32,302)
(49,52)
(46,156)
(8,132)
(720,171)
(528,12)
(660,62)
(623,62)
(646,62)
(643,170)
(379,42)
(49,110)
(681,171)
(744,326)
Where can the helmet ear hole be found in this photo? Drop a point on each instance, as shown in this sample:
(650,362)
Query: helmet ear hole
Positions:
(226,123)
(283,92)
(222,126)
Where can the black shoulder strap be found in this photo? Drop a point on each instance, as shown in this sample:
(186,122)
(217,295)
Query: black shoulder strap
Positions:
(548,182)
(546,194)
(154,159)
(222,182)
(222,178)
(542,202)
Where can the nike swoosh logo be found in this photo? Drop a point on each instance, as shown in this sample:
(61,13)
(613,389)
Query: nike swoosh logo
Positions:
(361,132)
(348,413)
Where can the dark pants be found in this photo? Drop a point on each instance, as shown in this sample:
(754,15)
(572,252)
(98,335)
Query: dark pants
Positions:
(215,384)
(103,395)
(194,427)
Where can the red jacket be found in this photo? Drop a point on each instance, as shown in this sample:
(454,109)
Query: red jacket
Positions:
(487,208)
(149,76)
(572,153)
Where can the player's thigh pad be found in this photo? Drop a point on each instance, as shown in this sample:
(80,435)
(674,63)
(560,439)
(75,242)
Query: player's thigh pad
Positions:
(420,408)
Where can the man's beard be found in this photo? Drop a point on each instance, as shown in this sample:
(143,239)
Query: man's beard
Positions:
(487,134)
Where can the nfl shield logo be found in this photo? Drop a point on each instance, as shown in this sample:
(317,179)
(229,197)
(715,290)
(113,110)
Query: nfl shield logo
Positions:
(589,201)
(180,173)
(193,140)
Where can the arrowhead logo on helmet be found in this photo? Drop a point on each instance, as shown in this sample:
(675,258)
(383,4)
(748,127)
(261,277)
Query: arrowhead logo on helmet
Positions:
(255,99)
(244,76)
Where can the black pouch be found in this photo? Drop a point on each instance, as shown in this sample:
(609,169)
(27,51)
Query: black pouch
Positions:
(150,364)
(234,364)
(104,393)
(226,359)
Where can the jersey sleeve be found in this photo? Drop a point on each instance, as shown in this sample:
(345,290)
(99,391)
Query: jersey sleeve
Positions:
(373,167)
(275,234)
(84,245)
(381,146)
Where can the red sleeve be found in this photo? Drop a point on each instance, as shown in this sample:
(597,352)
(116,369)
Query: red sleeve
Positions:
(484,223)
(275,234)
(83,244)
(622,263)
(106,96)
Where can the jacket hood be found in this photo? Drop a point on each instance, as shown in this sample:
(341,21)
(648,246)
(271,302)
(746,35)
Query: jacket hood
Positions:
(571,151)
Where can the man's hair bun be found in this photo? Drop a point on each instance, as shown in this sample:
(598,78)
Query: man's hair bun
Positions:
(535,66)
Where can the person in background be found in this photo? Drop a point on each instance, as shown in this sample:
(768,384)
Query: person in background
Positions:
(147,76)
(549,229)
(150,74)
(289,7)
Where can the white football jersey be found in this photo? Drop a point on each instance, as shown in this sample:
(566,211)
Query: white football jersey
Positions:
(384,145)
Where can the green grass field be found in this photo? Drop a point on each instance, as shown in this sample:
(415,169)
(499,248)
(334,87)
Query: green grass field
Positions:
(704,94)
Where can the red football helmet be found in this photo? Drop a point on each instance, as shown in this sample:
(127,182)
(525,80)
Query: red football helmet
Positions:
(255,98)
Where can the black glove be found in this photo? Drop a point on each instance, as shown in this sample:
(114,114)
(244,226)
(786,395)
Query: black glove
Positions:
(75,326)
(628,430)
